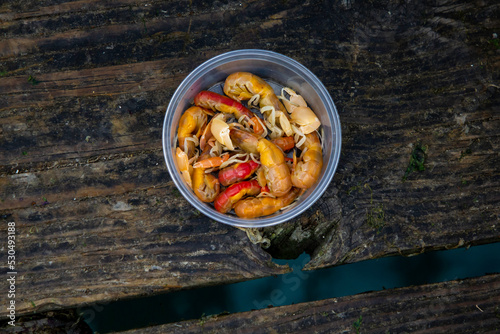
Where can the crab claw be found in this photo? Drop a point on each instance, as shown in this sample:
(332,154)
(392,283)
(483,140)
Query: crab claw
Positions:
(300,113)
(294,101)
(220,131)
(306,119)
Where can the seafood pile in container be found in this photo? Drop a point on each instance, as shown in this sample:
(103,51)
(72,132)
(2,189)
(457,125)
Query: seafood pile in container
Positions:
(253,163)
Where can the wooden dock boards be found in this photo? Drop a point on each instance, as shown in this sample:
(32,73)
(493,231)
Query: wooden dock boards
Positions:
(83,90)
(462,306)
(416,88)
(102,248)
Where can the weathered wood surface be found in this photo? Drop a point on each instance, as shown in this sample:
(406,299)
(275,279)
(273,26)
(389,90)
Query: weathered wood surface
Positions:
(83,90)
(407,76)
(462,306)
(62,322)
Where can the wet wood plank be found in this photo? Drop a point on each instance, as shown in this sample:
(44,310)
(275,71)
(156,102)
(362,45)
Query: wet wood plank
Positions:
(462,306)
(83,90)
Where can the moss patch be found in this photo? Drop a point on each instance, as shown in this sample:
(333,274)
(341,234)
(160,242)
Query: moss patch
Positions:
(417,160)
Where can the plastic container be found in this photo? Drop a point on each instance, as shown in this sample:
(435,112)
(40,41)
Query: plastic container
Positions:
(279,71)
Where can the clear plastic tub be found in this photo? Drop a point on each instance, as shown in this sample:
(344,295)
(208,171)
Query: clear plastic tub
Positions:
(279,71)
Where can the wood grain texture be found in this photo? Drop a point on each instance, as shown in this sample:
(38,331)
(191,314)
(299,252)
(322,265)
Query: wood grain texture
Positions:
(408,75)
(83,90)
(118,242)
(463,306)
(62,322)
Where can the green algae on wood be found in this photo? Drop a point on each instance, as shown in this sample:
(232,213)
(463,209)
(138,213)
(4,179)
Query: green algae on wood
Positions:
(417,160)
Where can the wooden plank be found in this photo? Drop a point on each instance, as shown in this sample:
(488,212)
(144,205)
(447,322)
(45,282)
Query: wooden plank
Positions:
(461,306)
(82,100)
(66,321)
(80,114)
(107,230)
(410,77)
(97,215)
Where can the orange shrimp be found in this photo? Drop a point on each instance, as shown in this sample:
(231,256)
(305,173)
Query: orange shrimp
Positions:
(211,162)
(275,168)
(225,201)
(306,172)
(205,186)
(184,167)
(276,171)
(191,124)
(244,85)
(245,140)
(285,143)
(217,102)
(237,172)
(253,207)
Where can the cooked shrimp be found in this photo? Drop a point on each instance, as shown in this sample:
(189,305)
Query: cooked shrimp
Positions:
(205,186)
(190,126)
(275,168)
(225,201)
(253,207)
(184,167)
(237,172)
(224,161)
(245,140)
(285,143)
(271,157)
(244,85)
(306,172)
(217,102)
(211,162)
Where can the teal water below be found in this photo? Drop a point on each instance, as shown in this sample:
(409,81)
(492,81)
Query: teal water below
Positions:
(296,287)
